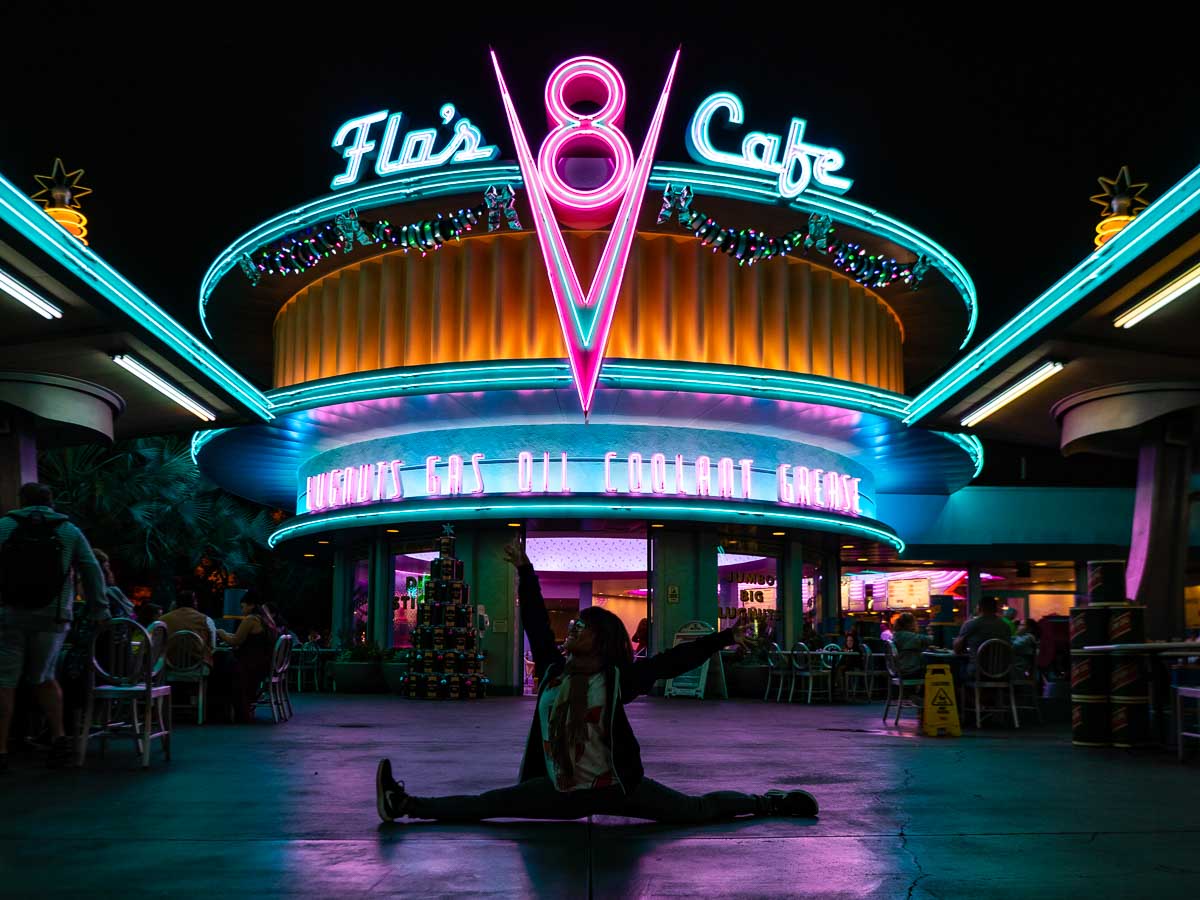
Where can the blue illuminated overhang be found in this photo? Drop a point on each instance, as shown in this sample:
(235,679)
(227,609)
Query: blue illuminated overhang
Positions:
(1177,205)
(751,188)
(862,423)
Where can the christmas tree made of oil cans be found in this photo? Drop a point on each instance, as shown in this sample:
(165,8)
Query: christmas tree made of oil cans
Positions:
(447,658)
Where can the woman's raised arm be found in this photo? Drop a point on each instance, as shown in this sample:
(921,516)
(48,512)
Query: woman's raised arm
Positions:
(534,619)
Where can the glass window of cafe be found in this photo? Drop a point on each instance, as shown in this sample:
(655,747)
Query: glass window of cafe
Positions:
(603,565)
(1035,589)
(410,571)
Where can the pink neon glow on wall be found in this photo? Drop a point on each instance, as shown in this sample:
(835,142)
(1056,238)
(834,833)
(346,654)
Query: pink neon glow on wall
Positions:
(586,319)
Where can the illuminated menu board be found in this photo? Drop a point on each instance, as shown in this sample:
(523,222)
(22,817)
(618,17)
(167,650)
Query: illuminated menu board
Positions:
(853,600)
(908,593)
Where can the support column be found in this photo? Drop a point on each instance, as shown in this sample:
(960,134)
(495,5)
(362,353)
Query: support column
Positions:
(381,587)
(18,456)
(685,581)
(974,589)
(1158,545)
(343,579)
(494,592)
(791,580)
(829,610)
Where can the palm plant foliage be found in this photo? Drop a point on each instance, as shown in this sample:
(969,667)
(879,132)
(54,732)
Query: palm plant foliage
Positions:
(145,502)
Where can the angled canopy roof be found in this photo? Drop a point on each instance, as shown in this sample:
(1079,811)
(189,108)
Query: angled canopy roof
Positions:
(78,313)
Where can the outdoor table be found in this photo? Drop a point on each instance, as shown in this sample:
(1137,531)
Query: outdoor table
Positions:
(1160,686)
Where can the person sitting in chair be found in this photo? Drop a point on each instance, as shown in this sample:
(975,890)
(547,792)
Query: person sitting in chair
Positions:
(253,646)
(909,645)
(984,627)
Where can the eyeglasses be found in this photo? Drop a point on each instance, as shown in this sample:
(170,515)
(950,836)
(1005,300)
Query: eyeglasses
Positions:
(576,625)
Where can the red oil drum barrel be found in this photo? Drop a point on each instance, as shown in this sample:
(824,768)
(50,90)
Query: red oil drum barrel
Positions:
(1090,725)
(1127,625)
(1089,626)
(1090,674)
(1129,721)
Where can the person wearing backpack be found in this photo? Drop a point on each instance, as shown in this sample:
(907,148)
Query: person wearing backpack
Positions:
(39,549)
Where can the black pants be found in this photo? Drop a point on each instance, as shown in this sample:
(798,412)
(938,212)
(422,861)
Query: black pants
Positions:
(539,799)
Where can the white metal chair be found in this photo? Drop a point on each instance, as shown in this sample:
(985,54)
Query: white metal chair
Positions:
(993,664)
(810,666)
(778,667)
(859,673)
(128,671)
(274,691)
(186,665)
(1027,678)
(897,683)
(307,663)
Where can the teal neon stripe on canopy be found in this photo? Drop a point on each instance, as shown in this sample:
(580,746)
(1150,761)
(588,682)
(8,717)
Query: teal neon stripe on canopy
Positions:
(1177,205)
(28,219)
(691,511)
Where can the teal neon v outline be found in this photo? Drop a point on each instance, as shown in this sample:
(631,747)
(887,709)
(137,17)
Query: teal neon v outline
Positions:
(586,319)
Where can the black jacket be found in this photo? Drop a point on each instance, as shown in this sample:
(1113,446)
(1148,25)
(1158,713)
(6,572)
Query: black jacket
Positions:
(623,684)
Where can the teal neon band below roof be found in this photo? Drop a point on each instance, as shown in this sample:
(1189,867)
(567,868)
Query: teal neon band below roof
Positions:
(28,219)
(717,182)
(1178,204)
(571,507)
(617,373)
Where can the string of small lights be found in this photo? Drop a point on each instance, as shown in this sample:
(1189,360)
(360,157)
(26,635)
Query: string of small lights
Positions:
(302,250)
(748,245)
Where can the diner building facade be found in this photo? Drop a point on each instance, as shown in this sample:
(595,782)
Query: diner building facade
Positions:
(750,409)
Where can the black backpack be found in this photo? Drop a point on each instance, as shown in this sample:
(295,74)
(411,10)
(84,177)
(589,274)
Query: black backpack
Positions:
(32,574)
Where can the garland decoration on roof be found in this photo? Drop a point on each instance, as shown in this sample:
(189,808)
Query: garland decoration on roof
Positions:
(300,251)
(748,246)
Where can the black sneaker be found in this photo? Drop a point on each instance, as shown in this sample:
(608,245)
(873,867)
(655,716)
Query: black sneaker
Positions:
(791,803)
(390,797)
(60,753)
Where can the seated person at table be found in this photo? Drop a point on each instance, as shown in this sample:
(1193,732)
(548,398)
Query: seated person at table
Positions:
(1025,643)
(909,645)
(147,614)
(984,627)
(185,617)
(253,645)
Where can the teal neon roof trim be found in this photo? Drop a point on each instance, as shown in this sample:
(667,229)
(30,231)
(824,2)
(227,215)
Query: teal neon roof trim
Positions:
(752,188)
(27,218)
(415,511)
(1178,204)
(516,375)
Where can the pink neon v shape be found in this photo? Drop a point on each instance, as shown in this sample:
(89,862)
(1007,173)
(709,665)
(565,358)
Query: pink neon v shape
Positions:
(586,319)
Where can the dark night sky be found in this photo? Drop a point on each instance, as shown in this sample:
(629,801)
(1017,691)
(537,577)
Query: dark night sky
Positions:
(196,124)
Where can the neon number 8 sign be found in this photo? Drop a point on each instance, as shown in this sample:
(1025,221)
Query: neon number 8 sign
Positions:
(585,79)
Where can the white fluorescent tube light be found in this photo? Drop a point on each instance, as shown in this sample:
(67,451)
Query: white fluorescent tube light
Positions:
(18,291)
(1026,384)
(164,387)
(1159,299)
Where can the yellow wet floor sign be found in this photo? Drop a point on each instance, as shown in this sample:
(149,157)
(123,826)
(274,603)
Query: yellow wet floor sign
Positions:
(941,710)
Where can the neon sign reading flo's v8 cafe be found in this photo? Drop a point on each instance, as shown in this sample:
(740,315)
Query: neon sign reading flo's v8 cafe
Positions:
(614,474)
(586,316)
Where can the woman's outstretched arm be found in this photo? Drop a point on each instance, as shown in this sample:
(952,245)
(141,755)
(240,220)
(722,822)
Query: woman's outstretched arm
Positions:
(639,678)
(534,619)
